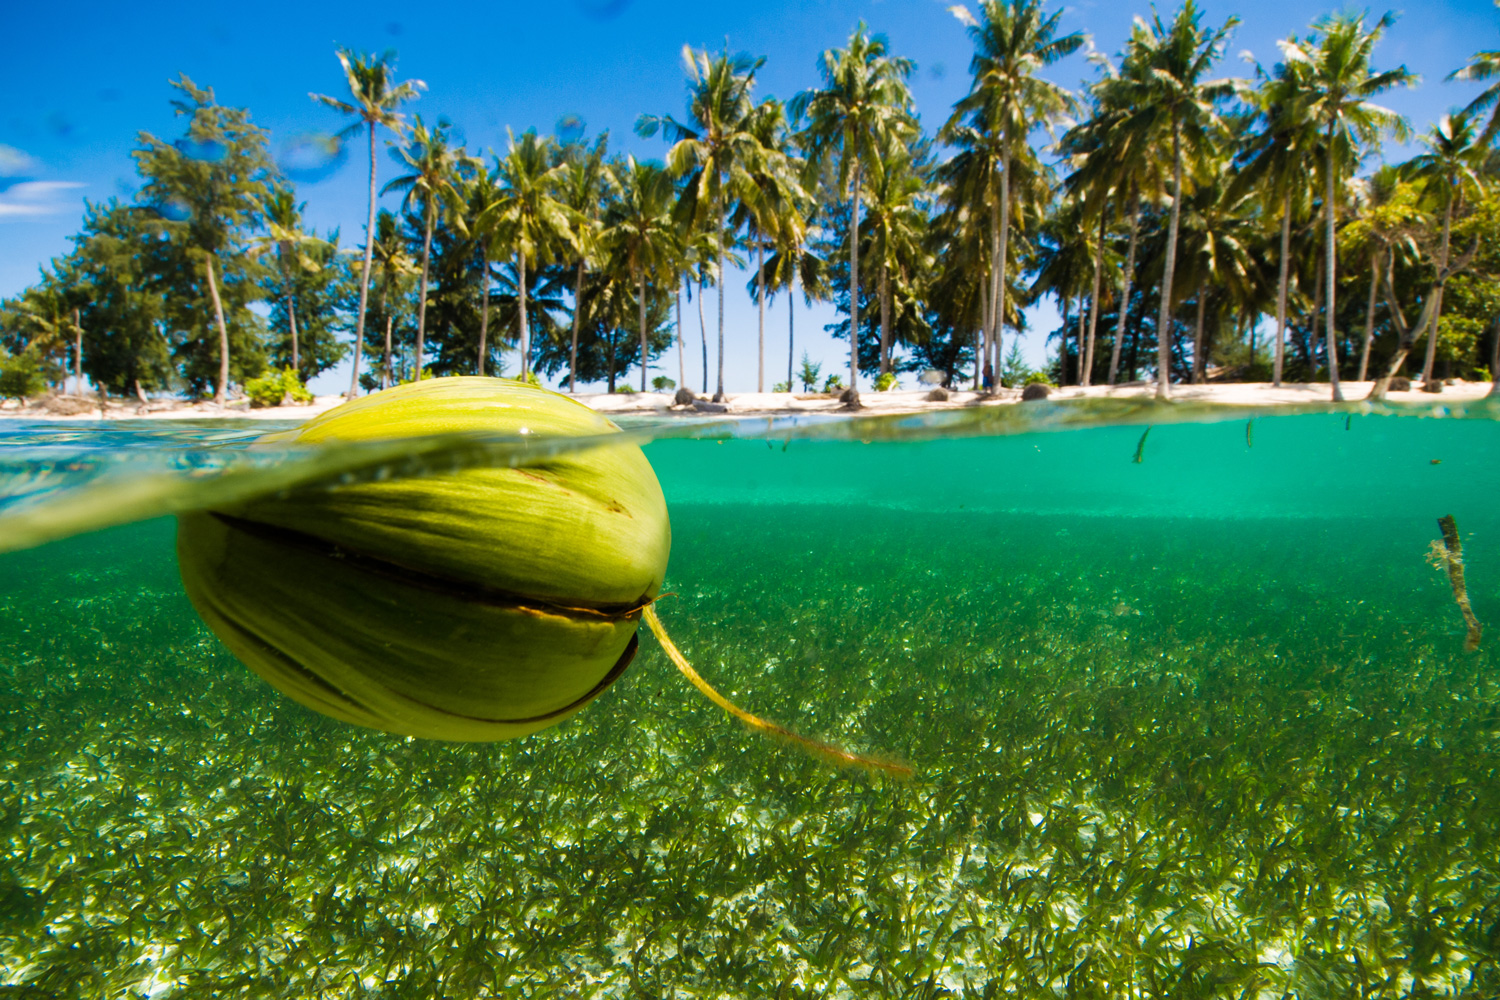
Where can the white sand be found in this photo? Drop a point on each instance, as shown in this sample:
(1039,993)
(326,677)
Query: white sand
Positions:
(781,403)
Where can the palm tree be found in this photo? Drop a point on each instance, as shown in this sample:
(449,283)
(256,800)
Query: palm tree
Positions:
(775,210)
(481,194)
(897,218)
(585,185)
(529,215)
(437,171)
(395,271)
(1449,169)
(1164,78)
(1340,84)
(640,233)
(1006,102)
(1483,66)
(375,97)
(715,150)
(1218,254)
(1064,267)
(863,103)
(1277,163)
(284,234)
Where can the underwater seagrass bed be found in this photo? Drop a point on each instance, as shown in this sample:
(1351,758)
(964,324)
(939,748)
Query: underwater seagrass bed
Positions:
(1198,725)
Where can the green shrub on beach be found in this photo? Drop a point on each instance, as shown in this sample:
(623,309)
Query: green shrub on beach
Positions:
(20,377)
(277,389)
(835,383)
(886,381)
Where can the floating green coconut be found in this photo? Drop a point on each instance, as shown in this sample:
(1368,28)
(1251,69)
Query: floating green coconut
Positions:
(481,604)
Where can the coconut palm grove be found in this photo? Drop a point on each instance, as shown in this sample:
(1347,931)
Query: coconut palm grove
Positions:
(1189,225)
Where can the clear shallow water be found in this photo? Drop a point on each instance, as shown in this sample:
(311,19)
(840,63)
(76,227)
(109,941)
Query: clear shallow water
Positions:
(1198,725)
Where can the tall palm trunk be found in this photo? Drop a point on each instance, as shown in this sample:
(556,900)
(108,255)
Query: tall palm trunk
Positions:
(364,279)
(1364,355)
(885,320)
(641,302)
(389,376)
(1281,289)
(291,305)
(681,366)
(1135,230)
(422,297)
(1437,309)
(525,331)
(1333,258)
(1164,314)
(1494,392)
(982,335)
(1078,336)
(719,394)
(221,394)
(577,316)
(760,303)
(854,284)
(1086,374)
(77,354)
(791,323)
(997,277)
(703,333)
(484,310)
(1198,371)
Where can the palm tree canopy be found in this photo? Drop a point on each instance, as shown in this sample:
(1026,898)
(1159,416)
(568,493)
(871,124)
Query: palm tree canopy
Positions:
(438,170)
(1013,39)
(527,215)
(1340,82)
(375,94)
(639,232)
(1483,66)
(864,99)
(1450,168)
(716,148)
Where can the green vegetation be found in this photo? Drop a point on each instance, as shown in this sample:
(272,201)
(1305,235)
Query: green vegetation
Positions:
(1170,212)
(21,377)
(277,388)
(1266,768)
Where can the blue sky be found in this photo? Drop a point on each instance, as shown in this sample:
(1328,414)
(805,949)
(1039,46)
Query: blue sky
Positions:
(80,80)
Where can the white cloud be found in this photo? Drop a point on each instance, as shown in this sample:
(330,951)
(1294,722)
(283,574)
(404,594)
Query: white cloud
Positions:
(30,199)
(15,162)
(962,13)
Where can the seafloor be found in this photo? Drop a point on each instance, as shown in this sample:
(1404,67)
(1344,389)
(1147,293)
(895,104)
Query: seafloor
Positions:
(1157,755)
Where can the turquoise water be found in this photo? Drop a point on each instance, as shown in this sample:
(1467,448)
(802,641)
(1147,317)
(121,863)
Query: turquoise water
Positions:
(1198,725)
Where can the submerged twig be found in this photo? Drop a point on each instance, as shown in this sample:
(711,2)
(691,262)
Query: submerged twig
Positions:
(1250,433)
(827,751)
(1140,446)
(1453,558)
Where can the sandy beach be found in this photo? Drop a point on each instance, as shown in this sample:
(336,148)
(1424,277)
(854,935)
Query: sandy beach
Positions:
(752,404)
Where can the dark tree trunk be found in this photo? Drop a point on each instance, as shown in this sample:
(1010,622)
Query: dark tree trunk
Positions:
(577,318)
(221,394)
(364,280)
(484,311)
(1120,324)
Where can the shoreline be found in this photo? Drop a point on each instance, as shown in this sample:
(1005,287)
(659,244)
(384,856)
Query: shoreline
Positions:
(752,404)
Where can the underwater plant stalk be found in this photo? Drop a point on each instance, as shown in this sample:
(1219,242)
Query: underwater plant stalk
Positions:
(828,752)
(1455,561)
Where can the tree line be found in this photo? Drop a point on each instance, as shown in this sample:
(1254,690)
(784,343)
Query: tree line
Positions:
(1190,227)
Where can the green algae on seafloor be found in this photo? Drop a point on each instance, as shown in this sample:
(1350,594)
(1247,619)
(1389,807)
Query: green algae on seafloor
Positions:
(1202,727)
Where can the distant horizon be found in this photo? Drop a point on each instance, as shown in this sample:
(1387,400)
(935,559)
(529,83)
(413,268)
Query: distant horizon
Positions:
(70,131)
